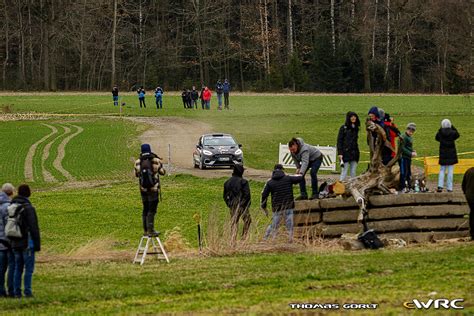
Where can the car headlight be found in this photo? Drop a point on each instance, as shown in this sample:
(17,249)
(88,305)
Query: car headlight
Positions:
(207,152)
(238,152)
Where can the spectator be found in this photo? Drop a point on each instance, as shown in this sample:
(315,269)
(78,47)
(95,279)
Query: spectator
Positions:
(386,151)
(189,99)
(7,259)
(406,141)
(184,98)
(374,115)
(394,132)
(201,96)
(159,97)
(148,169)
(448,157)
(280,186)
(115,95)
(206,96)
(226,89)
(24,248)
(219,91)
(237,198)
(468,189)
(347,145)
(141,96)
(194,98)
(306,157)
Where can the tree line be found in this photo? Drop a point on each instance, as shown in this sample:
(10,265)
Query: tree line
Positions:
(261,45)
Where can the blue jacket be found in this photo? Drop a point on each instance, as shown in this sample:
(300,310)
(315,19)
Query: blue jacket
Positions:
(219,88)
(226,87)
(158,94)
(141,94)
(4,203)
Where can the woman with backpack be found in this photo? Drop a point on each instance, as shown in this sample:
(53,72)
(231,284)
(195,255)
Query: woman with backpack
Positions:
(347,145)
(448,157)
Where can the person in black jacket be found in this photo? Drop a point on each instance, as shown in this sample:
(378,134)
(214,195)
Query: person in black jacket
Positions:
(347,145)
(280,186)
(203,103)
(24,248)
(448,157)
(115,95)
(194,97)
(468,189)
(237,198)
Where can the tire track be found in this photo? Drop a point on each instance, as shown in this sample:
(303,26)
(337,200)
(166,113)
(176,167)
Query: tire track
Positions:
(28,171)
(57,163)
(47,176)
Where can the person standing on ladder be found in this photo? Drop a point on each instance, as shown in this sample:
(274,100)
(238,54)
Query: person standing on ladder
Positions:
(148,169)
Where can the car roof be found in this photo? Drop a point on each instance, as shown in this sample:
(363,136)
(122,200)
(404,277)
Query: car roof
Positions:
(217,135)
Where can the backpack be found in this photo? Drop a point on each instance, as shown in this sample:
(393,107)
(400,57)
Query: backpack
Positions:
(370,239)
(147,179)
(14,221)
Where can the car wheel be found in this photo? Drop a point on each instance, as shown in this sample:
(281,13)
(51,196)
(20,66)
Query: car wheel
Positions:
(194,163)
(202,166)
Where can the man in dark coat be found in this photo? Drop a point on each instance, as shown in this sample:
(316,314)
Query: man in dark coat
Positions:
(468,189)
(448,157)
(237,198)
(24,248)
(280,186)
(347,145)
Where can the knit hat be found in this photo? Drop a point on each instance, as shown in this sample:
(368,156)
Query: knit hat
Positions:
(238,170)
(146,148)
(411,126)
(446,123)
(374,110)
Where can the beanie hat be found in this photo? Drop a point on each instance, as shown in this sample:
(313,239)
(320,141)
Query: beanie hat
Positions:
(146,148)
(446,123)
(374,110)
(381,113)
(238,170)
(411,126)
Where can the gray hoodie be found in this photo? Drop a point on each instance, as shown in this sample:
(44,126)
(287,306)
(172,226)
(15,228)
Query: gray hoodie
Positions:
(305,155)
(4,203)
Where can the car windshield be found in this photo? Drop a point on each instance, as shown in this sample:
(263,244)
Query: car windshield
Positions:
(219,141)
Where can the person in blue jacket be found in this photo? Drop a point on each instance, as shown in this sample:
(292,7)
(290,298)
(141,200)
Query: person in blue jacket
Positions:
(115,95)
(159,97)
(219,91)
(226,89)
(141,96)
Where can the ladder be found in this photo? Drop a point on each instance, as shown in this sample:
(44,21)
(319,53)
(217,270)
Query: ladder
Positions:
(144,249)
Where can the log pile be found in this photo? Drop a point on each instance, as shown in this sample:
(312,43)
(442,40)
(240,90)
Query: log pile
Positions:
(414,217)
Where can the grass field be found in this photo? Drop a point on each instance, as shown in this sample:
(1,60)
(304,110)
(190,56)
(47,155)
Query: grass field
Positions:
(107,218)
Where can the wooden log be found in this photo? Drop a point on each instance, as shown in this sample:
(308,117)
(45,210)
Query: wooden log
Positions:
(337,203)
(305,205)
(416,198)
(420,237)
(336,216)
(407,225)
(306,218)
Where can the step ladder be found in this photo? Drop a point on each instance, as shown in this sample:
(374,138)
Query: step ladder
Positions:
(144,249)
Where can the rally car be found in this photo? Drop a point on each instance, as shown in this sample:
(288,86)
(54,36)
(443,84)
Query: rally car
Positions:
(217,150)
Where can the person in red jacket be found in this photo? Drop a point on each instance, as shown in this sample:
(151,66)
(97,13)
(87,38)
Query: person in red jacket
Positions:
(393,131)
(206,96)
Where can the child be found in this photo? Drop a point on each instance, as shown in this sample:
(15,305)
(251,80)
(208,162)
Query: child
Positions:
(448,157)
(406,143)
(347,145)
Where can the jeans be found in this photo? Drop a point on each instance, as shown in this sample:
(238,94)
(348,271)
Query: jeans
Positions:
(314,166)
(219,101)
(142,101)
(195,104)
(115,98)
(208,104)
(226,100)
(349,164)
(7,263)
(159,102)
(24,261)
(442,171)
(405,172)
(235,215)
(273,227)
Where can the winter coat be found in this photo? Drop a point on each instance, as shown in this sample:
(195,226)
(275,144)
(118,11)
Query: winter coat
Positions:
(4,203)
(206,95)
(194,95)
(237,192)
(347,140)
(393,133)
(281,188)
(305,155)
(468,185)
(115,92)
(141,93)
(157,171)
(219,88)
(407,146)
(226,87)
(447,147)
(29,226)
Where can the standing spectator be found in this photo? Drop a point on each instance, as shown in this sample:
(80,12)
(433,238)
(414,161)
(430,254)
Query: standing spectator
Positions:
(159,97)
(237,198)
(374,115)
(386,151)
(468,189)
(226,89)
(306,157)
(189,99)
(280,186)
(206,96)
(24,248)
(141,96)
(7,259)
(201,96)
(394,132)
(115,95)
(448,156)
(347,145)
(219,91)
(406,141)
(194,98)
(184,98)
(148,169)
